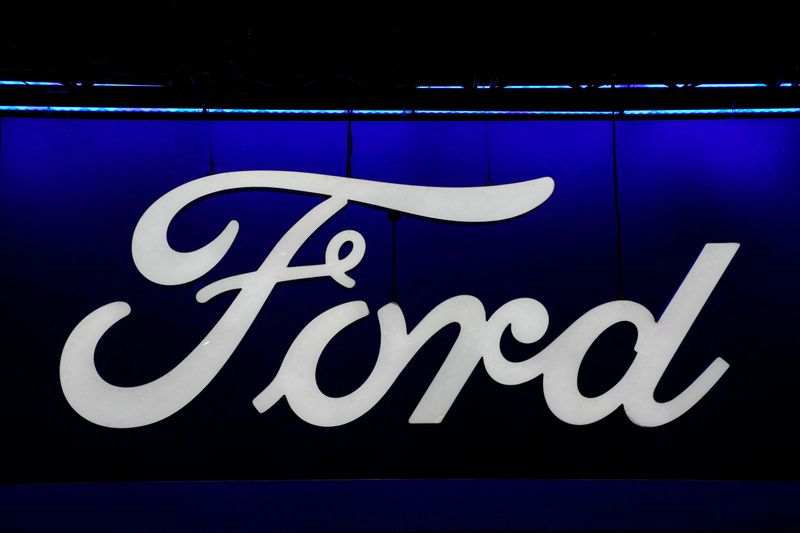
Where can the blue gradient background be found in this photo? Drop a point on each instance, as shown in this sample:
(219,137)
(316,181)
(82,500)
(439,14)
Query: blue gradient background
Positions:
(72,190)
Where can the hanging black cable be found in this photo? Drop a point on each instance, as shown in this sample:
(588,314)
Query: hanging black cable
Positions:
(489,180)
(620,284)
(394,216)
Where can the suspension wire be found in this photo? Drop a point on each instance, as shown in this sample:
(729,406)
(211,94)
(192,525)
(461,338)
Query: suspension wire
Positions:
(618,218)
(394,216)
(489,180)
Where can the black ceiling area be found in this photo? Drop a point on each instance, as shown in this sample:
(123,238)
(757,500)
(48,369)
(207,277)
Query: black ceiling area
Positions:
(295,54)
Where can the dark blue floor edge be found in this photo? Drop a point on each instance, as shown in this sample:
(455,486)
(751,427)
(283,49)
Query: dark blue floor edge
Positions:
(404,505)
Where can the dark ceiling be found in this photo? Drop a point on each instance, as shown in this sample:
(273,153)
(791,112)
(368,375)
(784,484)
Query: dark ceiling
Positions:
(262,53)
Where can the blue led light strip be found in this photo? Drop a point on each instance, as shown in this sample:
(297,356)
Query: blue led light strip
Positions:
(336,112)
(440,86)
(234,111)
(730,85)
(537,87)
(70,109)
(31,83)
(137,85)
(636,86)
(740,111)
(618,86)
(447,87)
(503,112)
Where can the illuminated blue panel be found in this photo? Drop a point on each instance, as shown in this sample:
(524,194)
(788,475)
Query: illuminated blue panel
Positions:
(30,83)
(77,187)
(786,84)
(730,85)
(484,87)
(537,87)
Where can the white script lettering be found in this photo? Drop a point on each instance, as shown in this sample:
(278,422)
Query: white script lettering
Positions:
(479,338)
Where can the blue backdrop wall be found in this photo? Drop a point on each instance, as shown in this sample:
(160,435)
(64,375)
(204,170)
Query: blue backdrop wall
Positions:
(72,190)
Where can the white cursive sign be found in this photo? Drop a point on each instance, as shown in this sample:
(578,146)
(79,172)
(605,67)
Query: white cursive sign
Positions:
(479,338)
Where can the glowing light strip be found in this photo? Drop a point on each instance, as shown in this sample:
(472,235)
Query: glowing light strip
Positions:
(30,83)
(730,85)
(333,112)
(440,86)
(537,87)
(450,87)
(741,111)
(637,86)
(504,112)
(382,112)
(70,109)
(279,111)
(139,85)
